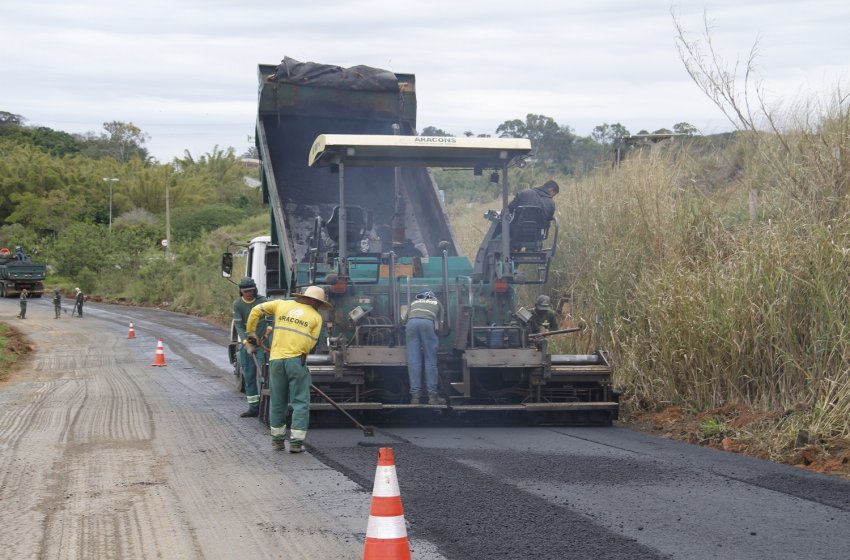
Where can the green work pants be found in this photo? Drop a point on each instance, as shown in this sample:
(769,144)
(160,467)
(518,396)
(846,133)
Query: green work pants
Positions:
(250,375)
(289,382)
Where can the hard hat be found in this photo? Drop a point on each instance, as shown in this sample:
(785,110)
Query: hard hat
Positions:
(427,294)
(543,302)
(247,283)
(318,294)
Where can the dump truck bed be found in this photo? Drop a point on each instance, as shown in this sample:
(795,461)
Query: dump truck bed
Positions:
(296,106)
(16,276)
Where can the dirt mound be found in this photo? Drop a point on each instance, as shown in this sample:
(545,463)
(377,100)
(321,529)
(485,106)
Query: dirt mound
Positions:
(741,429)
(16,346)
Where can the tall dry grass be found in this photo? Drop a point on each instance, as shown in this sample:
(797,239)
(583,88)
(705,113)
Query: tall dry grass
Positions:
(703,306)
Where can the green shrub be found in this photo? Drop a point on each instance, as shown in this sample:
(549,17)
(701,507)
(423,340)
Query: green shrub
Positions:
(189,224)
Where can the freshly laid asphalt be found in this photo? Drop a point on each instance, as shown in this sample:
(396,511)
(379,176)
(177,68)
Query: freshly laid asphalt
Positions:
(597,492)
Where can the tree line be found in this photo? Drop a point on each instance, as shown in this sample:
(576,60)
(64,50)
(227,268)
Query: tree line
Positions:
(95,203)
(559,149)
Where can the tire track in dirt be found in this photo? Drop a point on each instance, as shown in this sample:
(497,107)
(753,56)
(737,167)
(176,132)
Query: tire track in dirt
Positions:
(101,482)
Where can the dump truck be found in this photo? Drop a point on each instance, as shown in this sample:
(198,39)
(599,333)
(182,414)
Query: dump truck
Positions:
(17,275)
(355,210)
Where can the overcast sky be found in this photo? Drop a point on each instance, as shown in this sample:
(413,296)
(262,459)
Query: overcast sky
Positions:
(185,71)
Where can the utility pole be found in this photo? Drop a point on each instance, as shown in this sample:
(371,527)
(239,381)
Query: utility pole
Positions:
(111,181)
(167,222)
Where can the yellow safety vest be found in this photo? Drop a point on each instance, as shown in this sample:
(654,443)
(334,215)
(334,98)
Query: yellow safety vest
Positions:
(296,327)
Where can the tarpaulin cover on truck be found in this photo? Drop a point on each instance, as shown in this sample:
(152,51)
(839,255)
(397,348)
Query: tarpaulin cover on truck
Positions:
(364,78)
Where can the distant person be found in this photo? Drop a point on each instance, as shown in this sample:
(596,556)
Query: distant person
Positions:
(57,302)
(297,325)
(423,321)
(543,196)
(19,254)
(23,313)
(78,302)
(242,306)
(543,319)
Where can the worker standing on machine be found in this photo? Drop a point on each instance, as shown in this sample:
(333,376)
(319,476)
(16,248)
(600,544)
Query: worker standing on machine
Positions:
(242,306)
(297,324)
(543,319)
(423,320)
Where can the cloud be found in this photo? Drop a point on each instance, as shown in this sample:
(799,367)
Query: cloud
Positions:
(186,72)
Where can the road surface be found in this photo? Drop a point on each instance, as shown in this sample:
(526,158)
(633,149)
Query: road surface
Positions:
(103,455)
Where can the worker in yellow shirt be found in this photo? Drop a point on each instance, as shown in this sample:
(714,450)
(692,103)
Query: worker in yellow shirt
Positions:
(297,324)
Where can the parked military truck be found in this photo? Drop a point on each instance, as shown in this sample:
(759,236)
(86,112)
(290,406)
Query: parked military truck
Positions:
(17,275)
(355,210)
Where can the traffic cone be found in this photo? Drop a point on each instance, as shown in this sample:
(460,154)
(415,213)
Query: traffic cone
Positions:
(159,357)
(386,533)
(132,333)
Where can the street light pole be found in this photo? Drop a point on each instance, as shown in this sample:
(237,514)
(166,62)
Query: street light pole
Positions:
(111,181)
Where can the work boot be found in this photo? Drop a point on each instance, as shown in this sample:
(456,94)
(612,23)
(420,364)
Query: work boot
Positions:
(278,445)
(296,446)
(435,399)
(414,398)
(250,413)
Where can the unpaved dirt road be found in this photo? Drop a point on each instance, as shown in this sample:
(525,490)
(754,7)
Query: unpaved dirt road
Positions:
(104,456)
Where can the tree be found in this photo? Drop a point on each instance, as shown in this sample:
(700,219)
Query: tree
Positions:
(219,172)
(11,119)
(54,142)
(252,151)
(610,134)
(512,129)
(434,131)
(551,142)
(121,141)
(46,214)
(126,139)
(685,128)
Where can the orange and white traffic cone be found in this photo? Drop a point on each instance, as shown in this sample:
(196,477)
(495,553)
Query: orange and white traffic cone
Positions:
(132,333)
(386,533)
(159,356)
